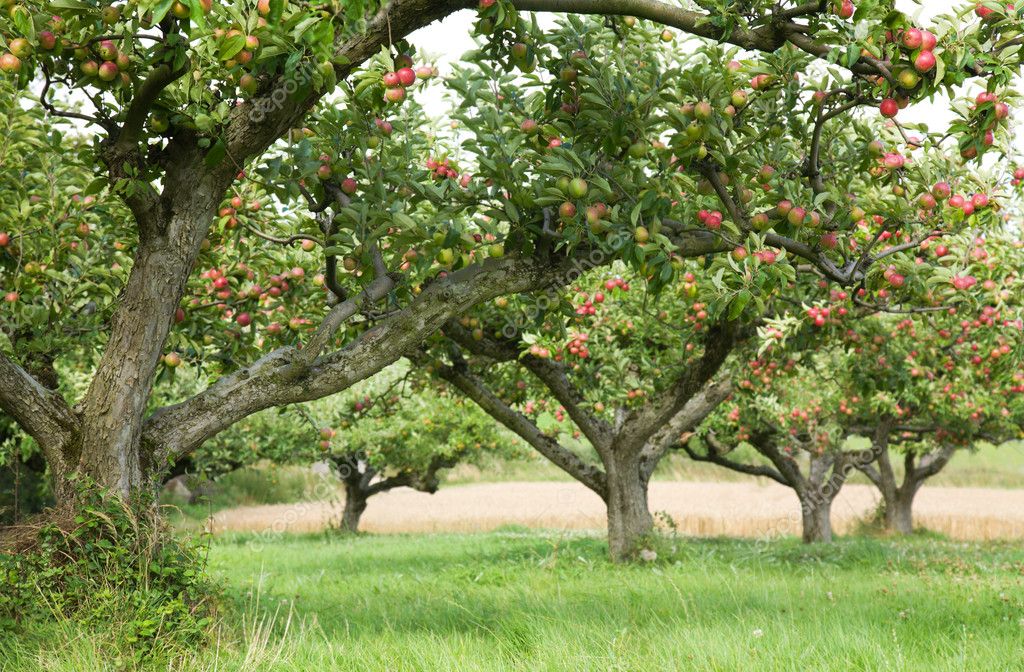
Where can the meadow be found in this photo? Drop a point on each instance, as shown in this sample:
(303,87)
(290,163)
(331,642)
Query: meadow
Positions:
(530,600)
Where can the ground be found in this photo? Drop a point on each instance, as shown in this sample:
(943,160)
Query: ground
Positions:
(527,600)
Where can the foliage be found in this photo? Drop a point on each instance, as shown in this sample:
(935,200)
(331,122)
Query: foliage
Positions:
(107,564)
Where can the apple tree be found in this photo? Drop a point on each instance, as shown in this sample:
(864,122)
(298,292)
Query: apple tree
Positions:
(193,104)
(920,376)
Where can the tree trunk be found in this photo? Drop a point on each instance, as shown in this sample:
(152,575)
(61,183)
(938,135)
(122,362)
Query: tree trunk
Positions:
(817,519)
(629,519)
(113,409)
(355,505)
(898,516)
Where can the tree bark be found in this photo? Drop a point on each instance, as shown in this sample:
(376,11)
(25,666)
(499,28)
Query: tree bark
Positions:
(899,517)
(817,519)
(355,505)
(629,519)
(171,231)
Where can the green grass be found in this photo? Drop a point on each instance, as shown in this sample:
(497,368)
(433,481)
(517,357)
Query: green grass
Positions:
(534,601)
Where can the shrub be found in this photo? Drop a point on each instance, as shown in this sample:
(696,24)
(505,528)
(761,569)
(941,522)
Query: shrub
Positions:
(111,565)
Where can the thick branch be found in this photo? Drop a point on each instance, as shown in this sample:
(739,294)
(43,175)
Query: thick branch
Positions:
(42,413)
(271,381)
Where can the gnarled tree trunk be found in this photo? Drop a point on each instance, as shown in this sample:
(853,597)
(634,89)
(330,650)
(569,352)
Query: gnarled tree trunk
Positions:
(629,519)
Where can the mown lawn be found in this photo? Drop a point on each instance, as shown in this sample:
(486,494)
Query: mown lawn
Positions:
(530,601)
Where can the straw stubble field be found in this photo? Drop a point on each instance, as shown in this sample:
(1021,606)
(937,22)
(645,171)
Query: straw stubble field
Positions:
(744,509)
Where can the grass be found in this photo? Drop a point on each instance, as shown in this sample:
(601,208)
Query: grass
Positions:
(518,600)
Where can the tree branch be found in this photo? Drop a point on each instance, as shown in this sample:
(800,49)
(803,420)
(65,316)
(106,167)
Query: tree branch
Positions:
(716,455)
(459,375)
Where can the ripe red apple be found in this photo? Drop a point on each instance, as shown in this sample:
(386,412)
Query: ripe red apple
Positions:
(941,190)
(391,80)
(528,126)
(567,210)
(244,319)
(913,39)
(924,62)
(349,185)
(928,40)
(796,216)
(5,239)
(889,108)
(845,10)
(11,297)
(406,76)
(395,95)
(784,207)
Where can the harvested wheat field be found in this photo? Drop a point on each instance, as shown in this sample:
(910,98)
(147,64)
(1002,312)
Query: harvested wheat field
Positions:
(706,509)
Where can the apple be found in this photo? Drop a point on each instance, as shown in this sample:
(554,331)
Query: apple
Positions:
(107,50)
(913,39)
(107,71)
(180,10)
(924,62)
(889,108)
(349,185)
(667,35)
(567,210)
(47,40)
(406,76)
(395,95)
(529,126)
(110,15)
(702,110)
(248,84)
(941,190)
(263,7)
(252,43)
(179,315)
(577,188)
(928,40)
(5,239)
(796,216)
(10,63)
(641,235)
(244,319)
(172,360)
(20,47)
